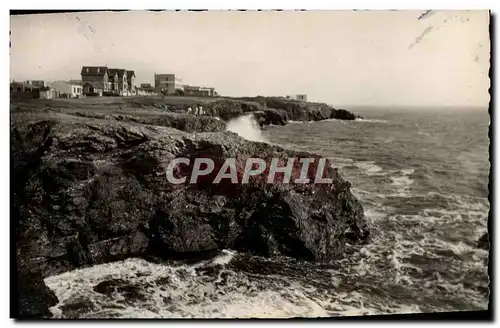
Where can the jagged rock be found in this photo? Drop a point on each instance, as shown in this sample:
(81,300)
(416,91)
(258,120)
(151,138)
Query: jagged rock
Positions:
(88,191)
(484,242)
(228,109)
(268,110)
(342,114)
(303,111)
(97,191)
(271,116)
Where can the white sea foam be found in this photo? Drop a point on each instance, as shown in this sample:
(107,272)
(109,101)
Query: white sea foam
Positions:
(189,295)
(407,171)
(338,162)
(185,293)
(370,168)
(371,120)
(246,127)
(402,184)
(332,120)
(224,258)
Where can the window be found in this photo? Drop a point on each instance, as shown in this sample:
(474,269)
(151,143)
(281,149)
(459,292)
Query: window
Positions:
(74,89)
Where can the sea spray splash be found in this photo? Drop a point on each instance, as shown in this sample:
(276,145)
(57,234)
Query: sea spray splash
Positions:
(246,126)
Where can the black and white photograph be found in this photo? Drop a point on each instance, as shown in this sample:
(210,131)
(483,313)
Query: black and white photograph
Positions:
(249,164)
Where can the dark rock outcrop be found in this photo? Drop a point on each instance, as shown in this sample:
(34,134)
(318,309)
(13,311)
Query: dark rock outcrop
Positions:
(484,242)
(342,114)
(183,122)
(89,191)
(271,116)
(267,110)
(301,110)
(228,109)
(34,298)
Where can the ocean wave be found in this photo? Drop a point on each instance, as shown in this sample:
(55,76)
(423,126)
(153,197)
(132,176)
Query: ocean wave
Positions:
(247,127)
(332,120)
(408,171)
(140,289)
(402,184)
(371,120)
(369,167)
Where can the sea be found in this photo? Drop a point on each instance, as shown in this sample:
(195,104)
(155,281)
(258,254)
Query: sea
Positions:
(421,175)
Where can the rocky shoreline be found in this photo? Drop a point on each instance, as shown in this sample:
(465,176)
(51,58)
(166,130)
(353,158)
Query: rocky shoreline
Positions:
(89,187)
(172,111)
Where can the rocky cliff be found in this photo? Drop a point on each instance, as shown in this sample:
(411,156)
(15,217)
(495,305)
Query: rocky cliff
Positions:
(89,190)
(267,110)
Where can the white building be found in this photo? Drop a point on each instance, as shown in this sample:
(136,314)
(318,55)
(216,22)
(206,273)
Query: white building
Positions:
(47,93)
(297,97)
(67,90)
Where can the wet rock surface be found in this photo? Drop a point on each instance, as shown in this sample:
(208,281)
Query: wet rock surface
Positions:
(90,189)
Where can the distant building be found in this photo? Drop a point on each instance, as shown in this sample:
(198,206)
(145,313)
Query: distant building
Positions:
(67,89)
(146,89)
(100,80)
(168,84)
(131,82)
(36,83)
(119,80)
(23,90)
(32,90)
(95,80)
(145,92)
(113,79)
(47,93)
(21,87)
(193,90)
(301,97)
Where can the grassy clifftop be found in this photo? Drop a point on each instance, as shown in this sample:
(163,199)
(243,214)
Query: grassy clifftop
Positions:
(266,110)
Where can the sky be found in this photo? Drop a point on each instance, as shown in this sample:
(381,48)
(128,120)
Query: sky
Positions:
(377,58)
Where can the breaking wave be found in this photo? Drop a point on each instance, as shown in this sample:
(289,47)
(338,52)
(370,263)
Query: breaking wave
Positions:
(247,127)
(371,120)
